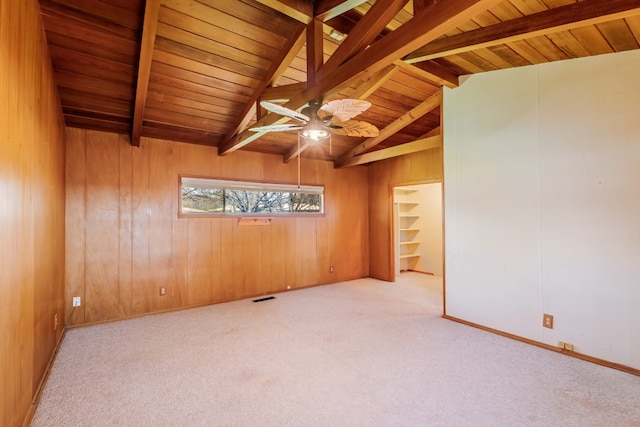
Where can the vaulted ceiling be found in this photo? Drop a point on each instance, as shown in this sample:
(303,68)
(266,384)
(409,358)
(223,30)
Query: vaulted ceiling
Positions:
(196,70)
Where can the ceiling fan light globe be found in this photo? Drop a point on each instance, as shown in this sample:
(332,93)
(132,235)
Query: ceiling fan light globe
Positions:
(315,135)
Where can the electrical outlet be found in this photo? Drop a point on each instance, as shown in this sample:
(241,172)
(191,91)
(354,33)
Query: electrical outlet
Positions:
(547,321)
(565,346)
(76,301)
(163,291)
(331,269)
(55,322)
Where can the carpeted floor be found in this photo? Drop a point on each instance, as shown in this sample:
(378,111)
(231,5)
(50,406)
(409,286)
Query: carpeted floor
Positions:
(360,353)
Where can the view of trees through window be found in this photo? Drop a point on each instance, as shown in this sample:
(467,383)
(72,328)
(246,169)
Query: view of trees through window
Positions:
(234,200)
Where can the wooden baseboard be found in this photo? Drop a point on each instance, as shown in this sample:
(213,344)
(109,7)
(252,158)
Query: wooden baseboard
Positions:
(421,272)
(581,356)
(36,396)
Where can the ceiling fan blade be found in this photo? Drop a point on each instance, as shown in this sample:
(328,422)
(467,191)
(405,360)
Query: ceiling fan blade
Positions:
(276,128)
(354,128)
(283,111)
(344,109)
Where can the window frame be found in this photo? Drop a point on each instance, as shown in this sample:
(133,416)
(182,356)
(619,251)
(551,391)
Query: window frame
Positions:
(234,184)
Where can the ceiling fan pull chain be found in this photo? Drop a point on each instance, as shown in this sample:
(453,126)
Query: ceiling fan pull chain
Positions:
(298,161)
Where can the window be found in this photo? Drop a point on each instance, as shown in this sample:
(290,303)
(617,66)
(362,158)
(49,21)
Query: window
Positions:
(220,197)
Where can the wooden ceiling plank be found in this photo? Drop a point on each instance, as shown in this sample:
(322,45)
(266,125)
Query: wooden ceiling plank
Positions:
(60,53)
(85,46)
(181,49)
(423,144)
(183,73)
(87,33)
(300,10)
(199,34)
(242,27)
(422,29)
(92,86)
(618,35)
(634,25)
(568,44)
(364,33)
(169,58)
(227,146)
(151,13)
(576,15)
(329,9)
(98,11)
(431,71)
(406,119)
(161,88)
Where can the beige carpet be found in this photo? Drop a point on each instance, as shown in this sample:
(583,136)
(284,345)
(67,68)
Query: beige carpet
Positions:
(361,353)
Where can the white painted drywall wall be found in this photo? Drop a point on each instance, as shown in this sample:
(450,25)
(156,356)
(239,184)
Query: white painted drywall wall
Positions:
(542,203)
(429,222)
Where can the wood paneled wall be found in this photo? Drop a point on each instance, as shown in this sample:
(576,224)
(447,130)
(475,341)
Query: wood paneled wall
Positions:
(31,209)
(125,239)
(425,166)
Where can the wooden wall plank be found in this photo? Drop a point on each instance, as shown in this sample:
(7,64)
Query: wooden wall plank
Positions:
(141,293)
(75,262)
(102,212)
(161,190)
(125,223)
(205,260)
(32,224)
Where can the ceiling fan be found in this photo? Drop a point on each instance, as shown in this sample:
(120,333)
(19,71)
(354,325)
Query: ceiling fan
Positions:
(318,121)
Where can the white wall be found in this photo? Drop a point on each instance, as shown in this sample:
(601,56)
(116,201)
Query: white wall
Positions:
(542,203)
(430,224)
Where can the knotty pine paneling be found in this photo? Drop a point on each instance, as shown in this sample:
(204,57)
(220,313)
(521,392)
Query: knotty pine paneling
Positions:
(132,242)
(425,166)
(32,208)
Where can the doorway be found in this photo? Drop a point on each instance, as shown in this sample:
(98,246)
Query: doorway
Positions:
(417,219)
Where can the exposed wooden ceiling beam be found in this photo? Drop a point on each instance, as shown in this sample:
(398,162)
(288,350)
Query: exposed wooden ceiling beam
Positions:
(285,53)
(373,82)
(420,5)
(430,24)
(282,93)
(434,21)
(315,49)
(151,12)
(431,71)
(300,10)
(289,57)
(329,9)
(426,143)
(575,15)
(414,114)
(364,32)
